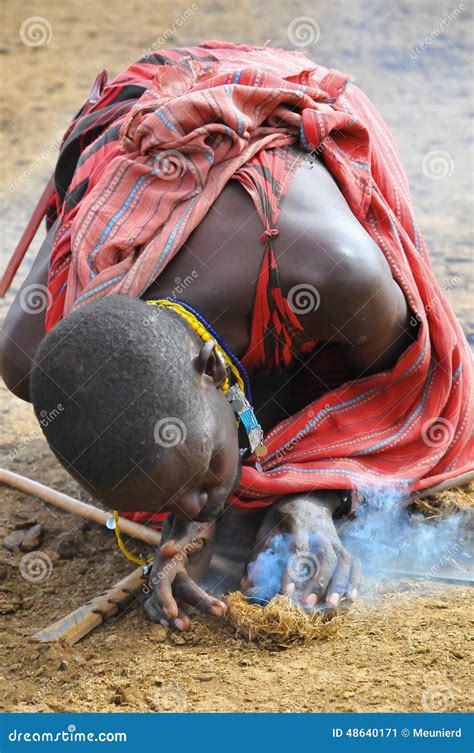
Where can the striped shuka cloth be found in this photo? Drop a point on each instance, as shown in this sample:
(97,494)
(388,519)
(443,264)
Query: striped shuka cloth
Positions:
(141,166)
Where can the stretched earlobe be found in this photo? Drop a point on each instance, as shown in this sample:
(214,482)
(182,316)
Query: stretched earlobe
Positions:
(210,363)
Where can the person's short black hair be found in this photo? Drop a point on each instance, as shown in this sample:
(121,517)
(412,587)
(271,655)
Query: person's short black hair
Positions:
(105,380)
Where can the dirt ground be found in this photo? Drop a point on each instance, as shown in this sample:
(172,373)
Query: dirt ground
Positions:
(407,650)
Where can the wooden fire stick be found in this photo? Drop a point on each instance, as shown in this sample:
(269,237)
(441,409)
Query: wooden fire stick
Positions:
(79,623)
(65,502)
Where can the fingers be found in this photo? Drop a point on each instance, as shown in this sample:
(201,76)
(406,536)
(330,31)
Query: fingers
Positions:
(338,584)
(182,547)
(312,571)
(156,614)
(354,579)
(163,594)
(186,538)
(300,564)
(344,581)
(189,592)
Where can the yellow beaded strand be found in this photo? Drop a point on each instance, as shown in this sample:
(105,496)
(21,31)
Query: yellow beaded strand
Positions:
(205,336)
(123,548)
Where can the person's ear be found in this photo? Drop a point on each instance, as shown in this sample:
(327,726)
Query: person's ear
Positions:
(210,363)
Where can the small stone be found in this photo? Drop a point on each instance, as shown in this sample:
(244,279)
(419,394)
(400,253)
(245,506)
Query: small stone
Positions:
(12,541)
(9,607)
(110,639)
(158,633)
(28,602)
(32,538)
(245,663)
(83,566)
(21,524)
(63,665)
(118,698)
(52,553)
(177,639)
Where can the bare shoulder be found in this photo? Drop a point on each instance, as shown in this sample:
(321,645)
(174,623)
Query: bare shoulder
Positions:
(321,243)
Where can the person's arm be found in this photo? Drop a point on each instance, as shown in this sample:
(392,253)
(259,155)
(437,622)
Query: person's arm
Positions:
(23,327)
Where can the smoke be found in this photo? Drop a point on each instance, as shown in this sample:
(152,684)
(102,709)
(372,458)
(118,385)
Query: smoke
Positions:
(388,539)
(385,536)
(266,572)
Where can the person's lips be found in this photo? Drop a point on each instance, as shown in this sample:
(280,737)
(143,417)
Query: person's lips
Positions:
(210,512)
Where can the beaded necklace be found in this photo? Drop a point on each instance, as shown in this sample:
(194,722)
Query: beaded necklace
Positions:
(238,393)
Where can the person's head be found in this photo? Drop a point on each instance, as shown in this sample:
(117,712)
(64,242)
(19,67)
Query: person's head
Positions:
(130,401)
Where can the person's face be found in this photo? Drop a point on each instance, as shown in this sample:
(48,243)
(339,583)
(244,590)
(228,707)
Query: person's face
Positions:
(193,479)
(197,488)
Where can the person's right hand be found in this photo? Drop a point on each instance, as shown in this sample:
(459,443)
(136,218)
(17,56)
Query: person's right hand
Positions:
(184,556)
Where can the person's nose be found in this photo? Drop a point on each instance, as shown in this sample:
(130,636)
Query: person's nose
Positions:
(190,504)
